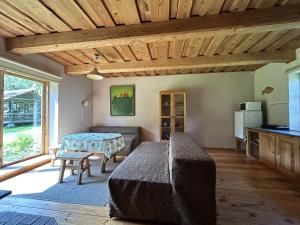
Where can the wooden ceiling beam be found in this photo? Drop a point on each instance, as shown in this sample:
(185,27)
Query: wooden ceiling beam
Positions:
(185,63)
(260,20)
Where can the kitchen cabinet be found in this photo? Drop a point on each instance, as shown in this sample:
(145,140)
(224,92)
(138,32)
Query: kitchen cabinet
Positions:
(287,154)
(267,147)
(276,150)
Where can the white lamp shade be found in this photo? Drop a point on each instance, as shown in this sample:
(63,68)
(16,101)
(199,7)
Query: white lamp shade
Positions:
(94,75)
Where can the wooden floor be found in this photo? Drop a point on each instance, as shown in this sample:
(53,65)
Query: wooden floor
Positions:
(248,193)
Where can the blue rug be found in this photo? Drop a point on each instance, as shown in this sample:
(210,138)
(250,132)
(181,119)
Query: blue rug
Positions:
(92,191)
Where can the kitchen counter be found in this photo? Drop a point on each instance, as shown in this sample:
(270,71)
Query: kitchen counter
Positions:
(283,132)
(278,149)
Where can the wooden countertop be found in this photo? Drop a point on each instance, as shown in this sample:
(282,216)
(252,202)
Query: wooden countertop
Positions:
(283,132)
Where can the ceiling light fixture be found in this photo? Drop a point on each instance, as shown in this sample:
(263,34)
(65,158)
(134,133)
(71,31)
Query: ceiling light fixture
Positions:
(95,74)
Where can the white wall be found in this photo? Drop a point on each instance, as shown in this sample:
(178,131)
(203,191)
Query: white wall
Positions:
(211,102)
(71,91)
(276,104)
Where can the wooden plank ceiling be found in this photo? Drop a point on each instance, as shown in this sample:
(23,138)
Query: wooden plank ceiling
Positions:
(188,52)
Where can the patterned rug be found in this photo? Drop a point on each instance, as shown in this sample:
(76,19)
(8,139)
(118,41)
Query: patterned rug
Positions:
(14,218)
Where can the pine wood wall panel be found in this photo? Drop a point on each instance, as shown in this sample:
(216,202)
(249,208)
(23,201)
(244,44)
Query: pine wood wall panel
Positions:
(173,8)
(216,7)
(231,42)
(205,45)
(68,58)
(5,34)
(91,52)
(162,31)
(194,47)
(125,53)
(13,26)
(249,42)
(31,17)
(284,39)
(177,48)
(71,13)
(123,12)
(80,55)
(144,10)
(56,58)
(268,40)
(10,11)
(152,50)
(214,45)
(184,8)
(97,12)
(186,63)
(140,51)
(159,10)
(239,5)
(110,54)
(40,14)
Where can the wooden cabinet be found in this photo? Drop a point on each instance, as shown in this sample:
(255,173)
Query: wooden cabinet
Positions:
(297,160)
(172,113)
(287,154)
(267,145)
(252,146)
(281,152)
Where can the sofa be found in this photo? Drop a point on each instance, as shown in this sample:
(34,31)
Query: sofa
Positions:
(131,135)
(166,183)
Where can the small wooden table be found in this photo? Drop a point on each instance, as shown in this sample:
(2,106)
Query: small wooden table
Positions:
(79,161)
(109,144)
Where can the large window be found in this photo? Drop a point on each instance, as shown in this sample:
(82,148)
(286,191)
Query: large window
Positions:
(23,115)
(294,101)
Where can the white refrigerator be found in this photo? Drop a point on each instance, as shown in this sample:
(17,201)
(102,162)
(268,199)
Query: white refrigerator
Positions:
(244,119)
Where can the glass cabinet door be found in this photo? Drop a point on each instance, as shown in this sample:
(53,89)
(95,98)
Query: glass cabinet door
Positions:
(166,116)
(179,124)
(166,105)
(179,112)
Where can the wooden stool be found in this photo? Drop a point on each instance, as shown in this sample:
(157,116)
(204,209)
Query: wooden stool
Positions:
(53,150)
(81,163)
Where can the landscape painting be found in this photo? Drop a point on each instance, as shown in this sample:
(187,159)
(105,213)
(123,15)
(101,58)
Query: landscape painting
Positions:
(122,100)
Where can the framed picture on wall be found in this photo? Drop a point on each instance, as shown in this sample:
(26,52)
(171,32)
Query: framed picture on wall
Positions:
(122,100)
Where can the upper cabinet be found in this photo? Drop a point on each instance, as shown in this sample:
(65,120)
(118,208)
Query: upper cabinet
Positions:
(172,113)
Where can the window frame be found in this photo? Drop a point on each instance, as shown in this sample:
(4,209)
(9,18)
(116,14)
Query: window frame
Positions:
(44,114)
(288,72)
